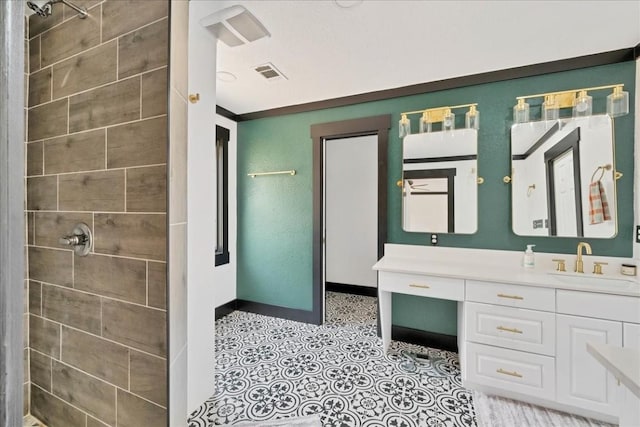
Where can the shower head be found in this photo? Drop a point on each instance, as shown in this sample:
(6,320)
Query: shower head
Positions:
(46,9)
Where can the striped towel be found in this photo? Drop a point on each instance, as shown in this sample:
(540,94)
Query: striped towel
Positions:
(598,206)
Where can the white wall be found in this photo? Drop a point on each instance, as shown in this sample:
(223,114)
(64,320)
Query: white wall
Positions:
(225,275)
(351,210)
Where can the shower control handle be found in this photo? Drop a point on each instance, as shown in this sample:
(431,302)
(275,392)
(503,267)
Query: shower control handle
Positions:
(71,240)
(81,239)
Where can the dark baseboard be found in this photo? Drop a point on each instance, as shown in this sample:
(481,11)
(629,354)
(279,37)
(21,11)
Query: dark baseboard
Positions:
(351,289)
(225,309)
(424,338)
(294,314)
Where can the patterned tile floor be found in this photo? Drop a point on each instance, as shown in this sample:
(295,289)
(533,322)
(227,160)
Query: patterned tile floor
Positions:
(268,368)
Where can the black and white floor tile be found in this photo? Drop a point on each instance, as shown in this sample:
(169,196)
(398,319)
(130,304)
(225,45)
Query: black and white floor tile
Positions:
(268,368)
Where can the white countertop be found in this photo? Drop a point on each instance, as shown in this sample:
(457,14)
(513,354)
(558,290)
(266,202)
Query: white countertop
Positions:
(623,363)
(505,267)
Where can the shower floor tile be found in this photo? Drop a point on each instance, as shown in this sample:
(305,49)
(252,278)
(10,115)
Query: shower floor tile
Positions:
(269,368)
(31,421)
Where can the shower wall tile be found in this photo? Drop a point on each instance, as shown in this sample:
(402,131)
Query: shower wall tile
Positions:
(54,411)
(87,4)
(30,232)
(34,54)
(157,284)
(50,226)
(87,393)
(39,87)
(122,16)
(72,308)
(92,191)
(132,409)
(154,93)
(144,49)
(25,365)
(25,398)
(132,235)
(38,25)
(149,377)
(68,38)
(35,158)
(44,336)
(75,153)
(35,297)
(42,193)
(147,189)
(41,370)
(120,278)
(96,356)
(48,120)
(51,266)
(150,147)
(87,70)
(135,326)
(92,422)
(108,105)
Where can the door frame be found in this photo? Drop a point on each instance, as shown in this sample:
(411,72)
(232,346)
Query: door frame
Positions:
(375,125)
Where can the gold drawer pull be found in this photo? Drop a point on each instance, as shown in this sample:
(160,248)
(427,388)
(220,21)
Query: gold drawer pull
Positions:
(413,285)
(510,296)
(511,374)
(514,330)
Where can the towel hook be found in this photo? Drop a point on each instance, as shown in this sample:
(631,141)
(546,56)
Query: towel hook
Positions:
(601,169)
(530,189)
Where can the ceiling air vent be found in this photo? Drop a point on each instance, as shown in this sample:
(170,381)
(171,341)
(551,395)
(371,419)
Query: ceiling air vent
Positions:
(235,26)
(270,72)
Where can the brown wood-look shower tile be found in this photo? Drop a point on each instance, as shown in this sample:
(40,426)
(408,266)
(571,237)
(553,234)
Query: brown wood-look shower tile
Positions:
(75,153)
(25,365)
(68,38)
(87,4)
(39,24)
(34,54)
(72,308)
(147,189)
(42,193)
(85,392)
(51,266)
(48,120)
(132,235)
(120,17)
(30,229)
(134,411)
(92,422)
(35,297)
(44,336)
(50,226)
(25,328)
(120,278)
(26,58)
(92,68)
(26,300)
(54,411)
(154,93)
(136,326)
(92,191)
(39,87)
(144,49)
(34,158)
(149,377)
(40,368)
(108,105)
(157,284)
(25,399)
(96,356)
(149,145)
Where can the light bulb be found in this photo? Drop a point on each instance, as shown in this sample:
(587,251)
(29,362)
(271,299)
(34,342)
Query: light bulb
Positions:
(404,126)
(448,120)
(582,105)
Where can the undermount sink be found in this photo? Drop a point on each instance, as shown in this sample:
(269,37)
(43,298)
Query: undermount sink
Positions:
(589,279)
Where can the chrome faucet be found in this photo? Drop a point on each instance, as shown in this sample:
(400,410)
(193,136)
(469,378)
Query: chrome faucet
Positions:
(579,263)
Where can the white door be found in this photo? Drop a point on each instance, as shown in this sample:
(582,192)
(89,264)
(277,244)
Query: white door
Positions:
(351,210)
(565,195)
(581,380)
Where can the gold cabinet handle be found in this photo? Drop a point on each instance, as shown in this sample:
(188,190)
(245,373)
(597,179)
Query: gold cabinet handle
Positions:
(506,179)
(414,285)
(480,180)
(399,183)
(618,175)
(511,374)
(513,330)
(510,296)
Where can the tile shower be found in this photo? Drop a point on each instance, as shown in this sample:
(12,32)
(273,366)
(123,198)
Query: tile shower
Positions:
(96,143)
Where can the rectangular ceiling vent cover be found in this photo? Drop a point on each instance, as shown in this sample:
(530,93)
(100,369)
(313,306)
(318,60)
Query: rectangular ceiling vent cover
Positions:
(234,26)
(270,72)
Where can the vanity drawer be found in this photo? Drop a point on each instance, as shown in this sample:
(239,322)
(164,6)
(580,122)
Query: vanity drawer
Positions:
(601,306)
(517,371)
(421,285)
(511,295)
(515,328)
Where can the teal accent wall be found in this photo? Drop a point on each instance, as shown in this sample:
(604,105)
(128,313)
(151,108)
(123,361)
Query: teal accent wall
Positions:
(275,213)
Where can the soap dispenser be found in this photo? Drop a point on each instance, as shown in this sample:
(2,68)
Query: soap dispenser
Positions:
(529,257)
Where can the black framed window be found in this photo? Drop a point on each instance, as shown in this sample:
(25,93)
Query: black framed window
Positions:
(222,195)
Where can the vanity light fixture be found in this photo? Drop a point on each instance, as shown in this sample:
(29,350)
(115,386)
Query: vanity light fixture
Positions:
(578,100)
(443,115)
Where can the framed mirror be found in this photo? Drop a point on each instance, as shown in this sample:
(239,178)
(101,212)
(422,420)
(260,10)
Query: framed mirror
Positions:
(563,178)
(440,182)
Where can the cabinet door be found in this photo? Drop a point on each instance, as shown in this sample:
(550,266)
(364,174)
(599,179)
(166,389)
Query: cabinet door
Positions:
(631,335)
(581,380)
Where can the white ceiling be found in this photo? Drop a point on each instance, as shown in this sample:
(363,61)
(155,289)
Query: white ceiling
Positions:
(327,51)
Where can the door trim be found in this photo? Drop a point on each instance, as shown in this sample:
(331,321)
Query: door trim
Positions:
(375,125)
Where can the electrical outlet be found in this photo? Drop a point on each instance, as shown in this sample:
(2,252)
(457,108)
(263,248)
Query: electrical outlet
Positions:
(434,239)
(638,234)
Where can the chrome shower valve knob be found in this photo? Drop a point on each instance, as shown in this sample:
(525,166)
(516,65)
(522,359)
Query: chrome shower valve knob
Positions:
(81,239)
